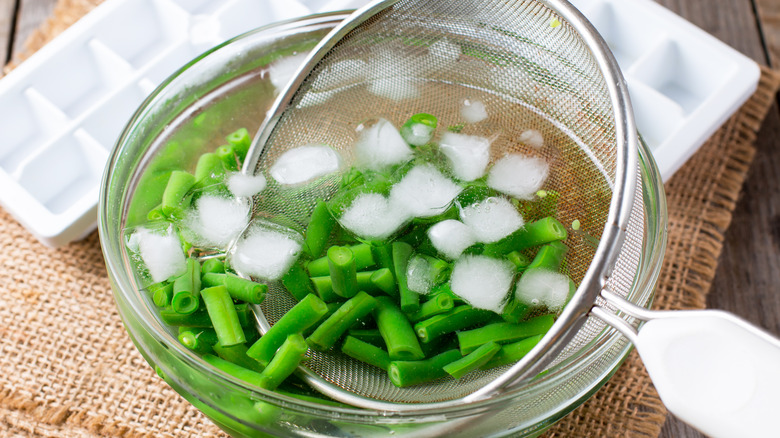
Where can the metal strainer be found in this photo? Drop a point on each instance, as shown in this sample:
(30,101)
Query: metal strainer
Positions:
(536,65)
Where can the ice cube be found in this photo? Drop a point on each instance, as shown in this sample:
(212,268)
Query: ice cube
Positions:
(216,221)
(381,146)
(398,88)
(418,275)
(532,138)
(543,288)
(491,219)
(305,163)
(371,216)
(265,251)
(417,134)
(468,154)
(161,252)
(473,111)
(518,175)
(281,71)
(444,51)
(242,185)
(483,282)
(423,192)
(451,237)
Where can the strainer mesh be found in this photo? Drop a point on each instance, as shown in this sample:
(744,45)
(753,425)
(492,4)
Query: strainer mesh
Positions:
(528,66)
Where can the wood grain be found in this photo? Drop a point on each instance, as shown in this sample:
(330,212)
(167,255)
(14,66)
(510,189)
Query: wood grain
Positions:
(31,14)
(6,23)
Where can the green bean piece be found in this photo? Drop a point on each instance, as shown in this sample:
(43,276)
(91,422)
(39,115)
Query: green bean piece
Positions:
(186,289)
(520,261)
(206,335)
(162,293)
(397,331)
(298,319)
(326,335)
(384,280)
(516,311)
(176,197)
(458,318)
(364,259)
(439,269)
(319,229)
(473,360)
(228,156)
(503,332)
(364,282)
(223,315)
(436,304)
(549,256)
(404,373)
(237,371)
(209,169)
(324,288)
(245,290)
(418,129)
(198,319)
(332,308)
(238,354)
(537,233)
(369,336)
(212,265)
(241,141)
(383,254)
(190,340)
(285,361)
(365,352)
(156,214)
(343,271)
(511,353)
(410,300)
(211,279)
(245,316)
(297,282)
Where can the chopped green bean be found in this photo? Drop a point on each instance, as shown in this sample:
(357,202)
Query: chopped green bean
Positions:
(237,371)
(284,362)
(297,282)
(343,271)
(365,352)
(458,318)
(511,353)
(419,129)
(324,288)
(414,372)
(537,233)
(212,265)
(383,254)
(410,300)
(209,169)
(176,197)
(520,261)
(186,289)
(191,340)
(326,335)
(238,355)
(503,332)
(384,280)
(241,141)
(223,315)
(162,293)
(473,360)
(397,331)
(319,229)
(300,317)
(370,336)
(228,156)
(436,304)
(549,256)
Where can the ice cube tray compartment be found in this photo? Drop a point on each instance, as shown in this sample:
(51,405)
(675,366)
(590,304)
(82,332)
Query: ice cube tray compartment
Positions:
(62,109)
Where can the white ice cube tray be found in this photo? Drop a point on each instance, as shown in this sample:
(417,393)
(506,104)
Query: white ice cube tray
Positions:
(62,109)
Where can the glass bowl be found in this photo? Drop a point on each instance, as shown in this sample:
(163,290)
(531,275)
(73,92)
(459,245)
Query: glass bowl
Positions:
(226,89)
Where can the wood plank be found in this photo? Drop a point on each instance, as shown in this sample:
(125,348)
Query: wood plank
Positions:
(32,13)
(7,10)
(769,19)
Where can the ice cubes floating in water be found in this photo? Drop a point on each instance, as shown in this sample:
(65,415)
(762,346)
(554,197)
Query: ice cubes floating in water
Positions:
(371,216)
(216,221)
(265,251)
(542,288)
(451,237)
(482,281)
(473,111)
(492,219)
(381,146)
(242,185)
(468,154)
(424,192)
(418,275)
(304,164)
(160,251)
(519,176)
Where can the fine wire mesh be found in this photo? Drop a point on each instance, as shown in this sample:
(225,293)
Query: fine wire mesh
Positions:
(531,70)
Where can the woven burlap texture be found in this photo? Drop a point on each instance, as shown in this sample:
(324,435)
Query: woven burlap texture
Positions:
(69,369)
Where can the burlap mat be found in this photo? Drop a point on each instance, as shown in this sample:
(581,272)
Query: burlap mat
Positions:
(69,369)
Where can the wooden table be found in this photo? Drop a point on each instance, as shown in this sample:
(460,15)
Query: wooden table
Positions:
(749,271)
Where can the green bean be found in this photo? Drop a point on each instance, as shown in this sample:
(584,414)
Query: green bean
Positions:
(238,355)
(223,315)
(414,372)
(213,265)
(191,340)
(503,332)
(410,300)
(549,256)
(228,156)
(520,261)
(245,290)
(198,319)
(300,317)
(211,279)
(332,308)
(186,289)
(369,336)
(436,304)
(297,282)
(204,335)
(511,353)
(537,233)
(162,293)
(237,371)
(364,282)
(473,360)
(324,288)
(284,362)
(364,258)
(365,352)
(343,271)
(176,197)
(384,280)
(397,331)
(319,229)
(156,214)
(418,129)
(383,254)
(458,318)
(326,335)
(241,141)
(209,169)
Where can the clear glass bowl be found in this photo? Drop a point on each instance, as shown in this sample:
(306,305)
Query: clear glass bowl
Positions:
(223,90)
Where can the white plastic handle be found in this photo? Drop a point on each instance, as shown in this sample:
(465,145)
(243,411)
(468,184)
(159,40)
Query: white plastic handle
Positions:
(714,371)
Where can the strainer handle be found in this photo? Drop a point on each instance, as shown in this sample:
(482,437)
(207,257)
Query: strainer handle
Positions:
(713,370)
